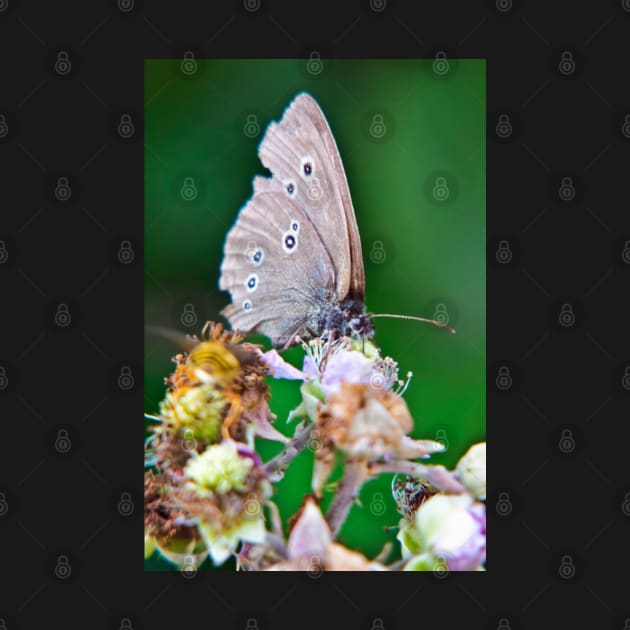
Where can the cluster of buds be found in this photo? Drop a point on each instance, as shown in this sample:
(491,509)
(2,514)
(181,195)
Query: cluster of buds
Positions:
(205,487)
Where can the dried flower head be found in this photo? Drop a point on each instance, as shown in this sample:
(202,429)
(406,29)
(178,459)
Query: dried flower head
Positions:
(165,524)
(364,421)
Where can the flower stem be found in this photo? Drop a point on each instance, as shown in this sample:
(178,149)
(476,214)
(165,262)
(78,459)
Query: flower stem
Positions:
(280,462)
(354,476)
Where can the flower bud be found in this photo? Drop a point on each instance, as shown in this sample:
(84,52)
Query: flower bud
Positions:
(471,470)
(220,468)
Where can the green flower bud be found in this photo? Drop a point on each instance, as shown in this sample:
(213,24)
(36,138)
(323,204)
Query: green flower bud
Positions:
(197,411)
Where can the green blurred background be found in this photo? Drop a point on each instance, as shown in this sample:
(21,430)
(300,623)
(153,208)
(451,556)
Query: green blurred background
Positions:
(412,139)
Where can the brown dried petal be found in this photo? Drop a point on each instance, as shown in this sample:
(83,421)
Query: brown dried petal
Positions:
(365,421)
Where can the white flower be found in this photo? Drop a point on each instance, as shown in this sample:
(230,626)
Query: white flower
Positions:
(451,528)
(221,542)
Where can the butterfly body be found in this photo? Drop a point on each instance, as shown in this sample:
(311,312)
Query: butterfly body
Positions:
(292,261)
(347,318)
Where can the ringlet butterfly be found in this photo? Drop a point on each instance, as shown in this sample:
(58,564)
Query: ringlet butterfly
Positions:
(292,261)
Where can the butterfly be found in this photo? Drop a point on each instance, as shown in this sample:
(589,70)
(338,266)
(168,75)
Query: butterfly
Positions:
(292,261)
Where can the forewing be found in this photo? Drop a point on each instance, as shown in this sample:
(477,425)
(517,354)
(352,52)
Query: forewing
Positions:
(302,155)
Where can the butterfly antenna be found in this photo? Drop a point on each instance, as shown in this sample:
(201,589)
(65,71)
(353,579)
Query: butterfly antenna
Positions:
(418,319)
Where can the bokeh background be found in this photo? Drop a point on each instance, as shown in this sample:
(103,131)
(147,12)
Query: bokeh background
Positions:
(411,134)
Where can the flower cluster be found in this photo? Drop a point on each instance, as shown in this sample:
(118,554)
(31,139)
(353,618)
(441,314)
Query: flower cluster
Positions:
(208,493)
(444,525)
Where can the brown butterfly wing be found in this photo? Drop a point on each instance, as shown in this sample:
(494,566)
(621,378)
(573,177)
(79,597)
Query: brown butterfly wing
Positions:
(300,142)
(274,288)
